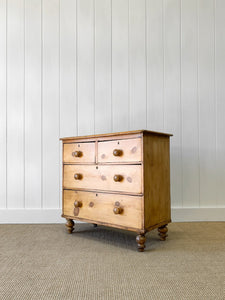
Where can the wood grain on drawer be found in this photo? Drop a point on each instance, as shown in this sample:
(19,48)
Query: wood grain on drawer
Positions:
(99,207)
(121,178)
(79,153)
(129,150)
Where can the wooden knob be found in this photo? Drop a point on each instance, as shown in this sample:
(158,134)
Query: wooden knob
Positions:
(118,178)
(117,210)
(77,153)
(77,204)
(117,152)
(78,176)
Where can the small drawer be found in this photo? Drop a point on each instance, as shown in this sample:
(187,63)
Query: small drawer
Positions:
(121,178)
(106,208)
(129,150)
(79,153)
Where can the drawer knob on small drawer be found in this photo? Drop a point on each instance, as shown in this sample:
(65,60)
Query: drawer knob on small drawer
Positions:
(78,176)
(77,204)
(118,178)
(77,153)
(117,152)
(117,210)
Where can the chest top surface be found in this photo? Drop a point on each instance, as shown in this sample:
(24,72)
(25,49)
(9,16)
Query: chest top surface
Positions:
(116,135)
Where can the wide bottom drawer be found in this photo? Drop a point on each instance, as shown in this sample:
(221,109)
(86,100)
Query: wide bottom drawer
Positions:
(112,209)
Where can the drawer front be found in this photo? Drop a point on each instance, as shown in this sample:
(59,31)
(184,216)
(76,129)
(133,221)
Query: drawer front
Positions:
(100,207)
(129,150)
(79,153)
(122,178)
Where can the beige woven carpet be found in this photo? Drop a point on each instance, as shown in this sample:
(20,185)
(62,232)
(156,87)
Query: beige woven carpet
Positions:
(44,262)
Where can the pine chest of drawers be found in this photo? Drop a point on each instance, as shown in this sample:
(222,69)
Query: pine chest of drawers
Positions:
(120,180)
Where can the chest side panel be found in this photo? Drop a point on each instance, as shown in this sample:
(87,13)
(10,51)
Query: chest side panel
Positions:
(156,180)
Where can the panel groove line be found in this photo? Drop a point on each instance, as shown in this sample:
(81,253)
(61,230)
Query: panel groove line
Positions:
(181,108)
(24,99)
(198,102)
(59,109)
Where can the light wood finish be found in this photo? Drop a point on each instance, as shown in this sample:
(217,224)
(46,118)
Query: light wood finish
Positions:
(156,179)
(120,151)
(124,183)
(111,135)
(79,153)
(103,177)
(100,207)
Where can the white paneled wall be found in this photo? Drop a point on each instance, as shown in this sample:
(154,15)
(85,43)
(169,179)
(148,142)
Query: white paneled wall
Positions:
(77,67)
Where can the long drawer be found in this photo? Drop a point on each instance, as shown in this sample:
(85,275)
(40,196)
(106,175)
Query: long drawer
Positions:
(121,178)
(114,209)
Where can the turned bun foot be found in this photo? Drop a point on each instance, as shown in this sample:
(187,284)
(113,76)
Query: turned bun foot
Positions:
(140,239)
(69,225)
(163,232)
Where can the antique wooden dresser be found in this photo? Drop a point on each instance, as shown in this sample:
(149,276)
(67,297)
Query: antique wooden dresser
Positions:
(120,180)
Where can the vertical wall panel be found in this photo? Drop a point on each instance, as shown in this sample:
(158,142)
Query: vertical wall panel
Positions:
(103,66)
(120,65)
(3,104)
(68,104)
(220,99)
(137,64)
(15,104)
(50,107)
(172,117)
(33,104)
(68,99)
(207,122)
(85,67)
(155,64)
(189,103)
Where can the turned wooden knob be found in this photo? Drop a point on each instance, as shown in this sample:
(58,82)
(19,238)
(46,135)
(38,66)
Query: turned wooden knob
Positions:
(77,153)
(117,152)
(118,177)
(78,176)
(77,204)
(117,210)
